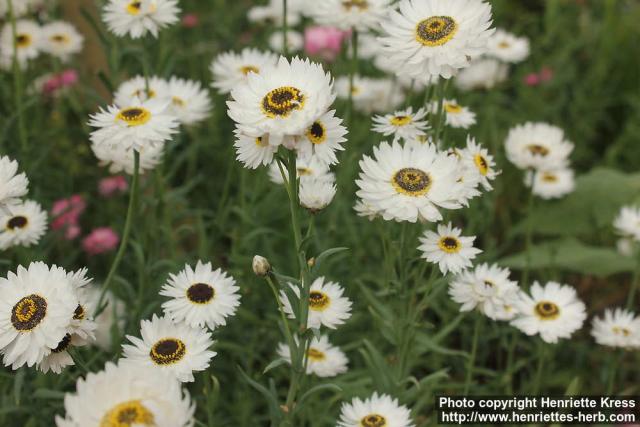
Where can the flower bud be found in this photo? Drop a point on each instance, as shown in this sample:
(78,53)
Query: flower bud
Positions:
(261,266)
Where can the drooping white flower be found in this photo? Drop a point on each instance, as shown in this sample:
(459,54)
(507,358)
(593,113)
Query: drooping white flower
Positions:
(316,194)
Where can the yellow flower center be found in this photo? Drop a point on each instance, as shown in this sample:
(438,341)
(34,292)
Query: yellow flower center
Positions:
(436,30)
(449,244)
(128,414)
(28,312)
(23,40)
(281,102)
(537,149)
(167,351)
(549,177)
(177,101)
(304,171)
(546,310)
(621,331)
(249,69)
(481,164)
(401,120)
(315,355)
(79,313)
(503,45)
(261,142)
(373,420)
(411,182)
(317,133)
(360,5)
(60,38)
(134,7)
(17,222)
(452,107)
(318,301)
(134,116)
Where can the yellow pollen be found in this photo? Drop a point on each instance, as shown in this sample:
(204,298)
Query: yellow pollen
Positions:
(318,301)
(249,69)
(621,331)
(128,414)
(360,5)
(449,244)
(134,7)
(134,116)
(411,182)
(401,120)
(315,355)
(452,107)
(373,420)
(23,40)
(549,177)
(436,30)
(178,101)
(281,102)
(481,164)
(537,149)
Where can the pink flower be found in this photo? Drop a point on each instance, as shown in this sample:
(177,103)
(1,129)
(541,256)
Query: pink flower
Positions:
(100,240)
(190,20)
(532,79)
(546,74)
(68,77)
(51,85)
(111,185)
(325,42)
(66,214)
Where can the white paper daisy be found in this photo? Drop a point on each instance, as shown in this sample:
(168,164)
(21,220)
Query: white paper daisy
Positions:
(477,157)
(230,69)
(617,328)
(507,47)
(403,124)
(141,395)
(447,248)
(553,311)
(322,138)
(136,18)
(376,411)
(537,146)
(488,289)
(201,296)
(120,158)
(61,39)
(19,8)
(23,226)
(135,125)
(550,184)
(283,100)
(484,73)
(173,347)
(141,89)
(190,102)
(272,12)
(36,307)
(327,304)
(316,194)
(295,41)
(113,317)
(410,182)
(361,15)
(323,359)
(27,41)
(365,210)
(254,151)
(371,95)
(436,37)
(306,168)
(627,223)
(456,115)
(13,185)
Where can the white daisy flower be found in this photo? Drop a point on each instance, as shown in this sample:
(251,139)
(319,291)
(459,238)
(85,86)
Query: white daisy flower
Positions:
(201,296)
(282,101)
(190,103)
(254,151)
(370,94)
(36,307)
(140,395)
(382,62)
(19,8)
(173,347)
(627,223)
(378,410)
(618,328)
(135,125)
(410,182)
(484,73)
(323,138)
(23,226)
(436,37)
(456,115)
(625,246)
(112,317)
(478,158)
(404,124)
(365,210)
(327,305)
(323,359)
(550,184)
(119,158)
(368,47)
(488,289)
(13,185)
(361,15)
(306,168)
(507,47)
(316,194)
(272,12)
(230,69)
(295,41)
(139,17)
(59,357)
(537,146)
(553,311)
(28,42)
(136,89)
(447,248)
(61,39)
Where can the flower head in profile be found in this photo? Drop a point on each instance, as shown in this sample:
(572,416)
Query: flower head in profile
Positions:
(456,115)
(404,124)
(139,88)
(230,69)
(551,184)
(478,159)
(552,311)
(23,225)
(447,248)
(189,101)
(327,304)
(617,328)
(120,158)
(436,37)
(322,139)
(537,146)
(316,194)
(323,359)
(137,18)
(307,168)
(13,185)
(377,410)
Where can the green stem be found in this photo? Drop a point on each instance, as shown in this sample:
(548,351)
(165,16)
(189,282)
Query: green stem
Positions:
(353,70)
(125,233)
(285,29)
(283,317)
(633,289)
(513,343)
(614,361)
(17,83)
(529,234)
(542,350)
(440,117)
(472,356)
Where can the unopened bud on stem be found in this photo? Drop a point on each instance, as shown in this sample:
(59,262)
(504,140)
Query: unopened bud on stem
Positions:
(261,266)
